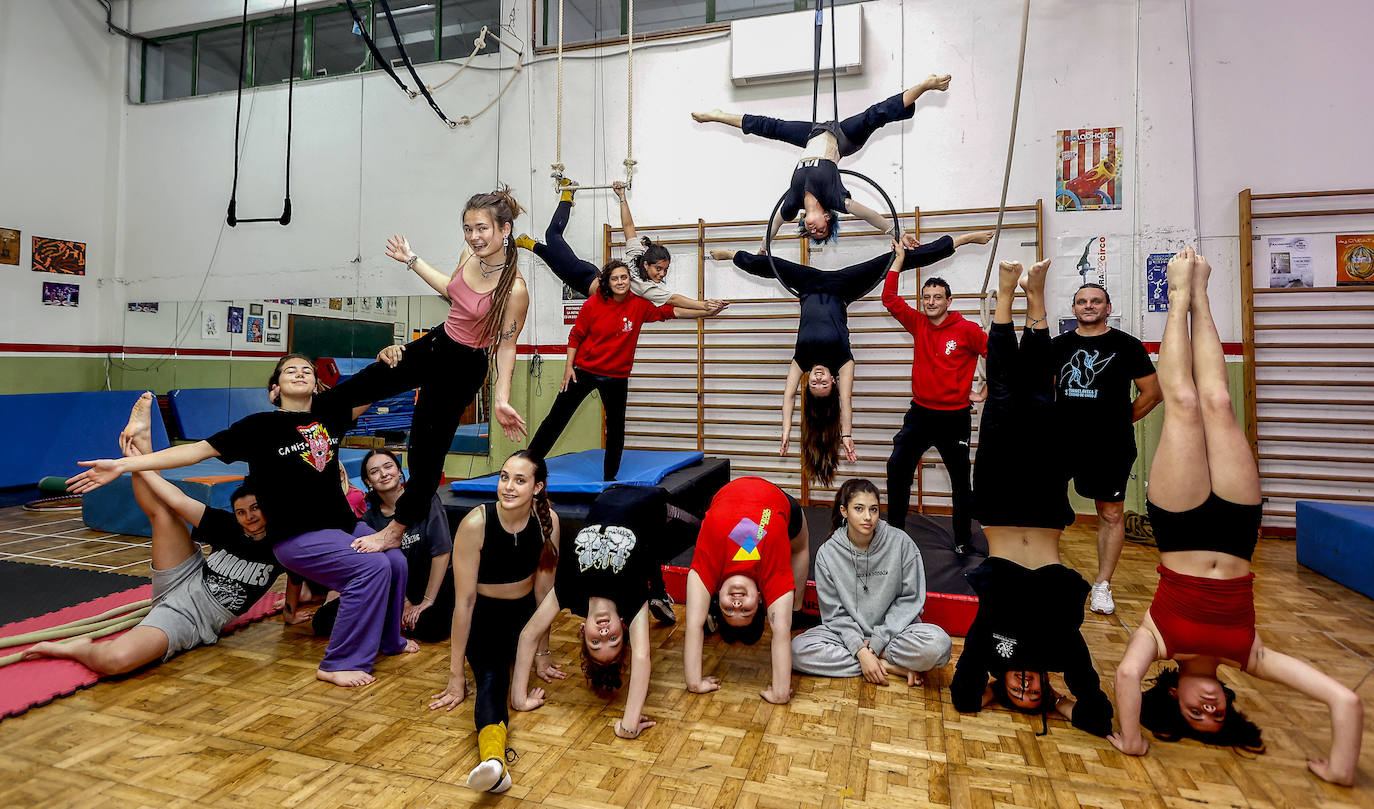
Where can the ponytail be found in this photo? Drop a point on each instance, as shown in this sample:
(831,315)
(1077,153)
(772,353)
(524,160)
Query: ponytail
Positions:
(653,253)
(503,208)
(848,491)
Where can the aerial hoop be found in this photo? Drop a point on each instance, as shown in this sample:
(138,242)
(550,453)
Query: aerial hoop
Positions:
(768,230)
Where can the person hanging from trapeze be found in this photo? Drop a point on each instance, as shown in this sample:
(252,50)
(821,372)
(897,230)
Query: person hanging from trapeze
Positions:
(1030,606)
(1204,505)
(648,261)
(816,191)
(823,356)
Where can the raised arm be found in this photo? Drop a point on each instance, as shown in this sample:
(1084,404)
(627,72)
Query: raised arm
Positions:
(789,401)
(627,220)
(1347,711)
(105,470)
(1142,650)
(521,697)
(511,422)
(467,556)
(634,723)
(398,248)
(845,386)
(698,602)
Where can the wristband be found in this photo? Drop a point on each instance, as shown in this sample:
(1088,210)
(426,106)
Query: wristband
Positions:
(410,262)
(542,654)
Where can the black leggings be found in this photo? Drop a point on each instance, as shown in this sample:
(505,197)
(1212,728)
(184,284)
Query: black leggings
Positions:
(614,392)
(848,284)
(449,375)
(851,133)
(1017,479)
(493,637)
(949,432)
(556,253)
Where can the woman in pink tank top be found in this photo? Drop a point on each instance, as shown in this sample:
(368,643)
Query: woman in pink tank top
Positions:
(487,306)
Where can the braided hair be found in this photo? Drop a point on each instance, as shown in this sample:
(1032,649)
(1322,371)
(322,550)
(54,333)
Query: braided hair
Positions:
(543,511)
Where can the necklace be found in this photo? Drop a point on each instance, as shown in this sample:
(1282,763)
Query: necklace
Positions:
(494,267)
(868,566)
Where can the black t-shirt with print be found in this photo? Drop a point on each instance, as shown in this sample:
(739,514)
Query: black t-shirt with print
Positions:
(422,542)
(1093,385)
(240,569)
(822,178)
(612,556)
(293,465)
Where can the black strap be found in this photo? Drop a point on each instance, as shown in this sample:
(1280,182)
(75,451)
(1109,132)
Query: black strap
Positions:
(405,58)
(285,219)
(816,67)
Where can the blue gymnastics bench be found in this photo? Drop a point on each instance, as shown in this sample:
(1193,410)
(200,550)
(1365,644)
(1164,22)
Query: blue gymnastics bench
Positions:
(1337,541)
(50,432)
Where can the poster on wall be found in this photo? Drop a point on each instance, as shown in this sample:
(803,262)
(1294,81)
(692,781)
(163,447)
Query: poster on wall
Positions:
(274,337)
(9,246)
(398,330)
(1156,283)
(255,309)
(1088,171)
(1095,259)
(147,307)
(209,325)
(336,304)
(1355,260)
(59,256)
(391,305)
(572,304)
(61,294)
(350,304)
(1290,261)
(254,330)
(274,319)
(235,320)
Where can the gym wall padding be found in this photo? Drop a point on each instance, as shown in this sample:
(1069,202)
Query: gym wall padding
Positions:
(580,472)
(112,507)
(202,412)
(1337,541)
(50,432)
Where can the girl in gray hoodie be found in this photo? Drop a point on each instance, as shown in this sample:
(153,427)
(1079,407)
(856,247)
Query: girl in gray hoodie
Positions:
(872,588)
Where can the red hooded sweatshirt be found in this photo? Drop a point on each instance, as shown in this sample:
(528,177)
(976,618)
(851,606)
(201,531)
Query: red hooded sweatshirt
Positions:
(943,357)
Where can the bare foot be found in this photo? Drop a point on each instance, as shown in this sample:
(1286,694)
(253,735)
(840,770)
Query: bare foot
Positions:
(1322,769)
(411,647)
(1034,279)
(706,117)
(979,237)
(48,648)
(723,255)
(1179,273)
(1008,273)
(346,679)
(1201,272)
(139,431)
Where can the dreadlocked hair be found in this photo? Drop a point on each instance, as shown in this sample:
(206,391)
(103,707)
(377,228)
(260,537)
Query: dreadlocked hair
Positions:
(603,278)
(501,206)
(1160,712)
(543,511)
(605,678)
(653,253)
(848,491)
(820,435)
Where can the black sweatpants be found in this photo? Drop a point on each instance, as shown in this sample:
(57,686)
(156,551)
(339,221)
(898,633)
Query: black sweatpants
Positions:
(854,130)
(949,432)
(614,392)
(556,253)
(449,375)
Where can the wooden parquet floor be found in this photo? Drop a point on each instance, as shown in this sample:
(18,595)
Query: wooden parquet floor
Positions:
(245,725)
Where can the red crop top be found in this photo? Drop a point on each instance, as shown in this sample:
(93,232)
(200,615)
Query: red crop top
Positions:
(1202,616)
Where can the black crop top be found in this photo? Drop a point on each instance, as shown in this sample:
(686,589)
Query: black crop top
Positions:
(506,557)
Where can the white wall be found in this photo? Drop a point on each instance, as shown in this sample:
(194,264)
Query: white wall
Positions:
(1280,91)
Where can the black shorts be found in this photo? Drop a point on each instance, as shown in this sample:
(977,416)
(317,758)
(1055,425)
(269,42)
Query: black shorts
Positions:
(795,518)
(1101,476)
(1016,480)
(1217,525)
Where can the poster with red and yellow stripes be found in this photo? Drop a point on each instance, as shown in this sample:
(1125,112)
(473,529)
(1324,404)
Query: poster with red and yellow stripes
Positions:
(1089,174)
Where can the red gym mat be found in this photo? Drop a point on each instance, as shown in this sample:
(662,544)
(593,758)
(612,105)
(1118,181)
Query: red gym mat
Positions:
(30,683)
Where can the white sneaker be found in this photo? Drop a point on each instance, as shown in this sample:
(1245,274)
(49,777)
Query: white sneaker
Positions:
(489,776)
(1101,601)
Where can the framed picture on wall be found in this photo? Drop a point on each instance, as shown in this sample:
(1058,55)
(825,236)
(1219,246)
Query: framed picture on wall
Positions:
(61,294)
(274,319)
(254,330)
(255,309)
(59,256)
(398,330)
(274,337)
(9,246)
(210,324)
(235,320)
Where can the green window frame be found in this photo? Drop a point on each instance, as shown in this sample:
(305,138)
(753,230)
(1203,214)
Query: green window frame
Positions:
(547,25)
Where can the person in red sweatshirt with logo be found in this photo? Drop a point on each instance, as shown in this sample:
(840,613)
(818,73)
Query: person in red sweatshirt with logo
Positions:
(601,353)
(945,353)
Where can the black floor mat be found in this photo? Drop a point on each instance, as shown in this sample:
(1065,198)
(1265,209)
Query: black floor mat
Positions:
(33,590)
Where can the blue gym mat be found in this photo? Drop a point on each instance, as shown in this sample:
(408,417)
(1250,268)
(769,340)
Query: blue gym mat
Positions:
(580,472)
(202,412)
(52,431)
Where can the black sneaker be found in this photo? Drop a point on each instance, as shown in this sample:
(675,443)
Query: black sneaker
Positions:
(661,607)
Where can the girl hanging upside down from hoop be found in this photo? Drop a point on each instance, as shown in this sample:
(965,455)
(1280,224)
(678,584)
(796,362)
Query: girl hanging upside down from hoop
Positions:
(823,356)
(1030,606)
(816,191)
(648,261)
(1204,505)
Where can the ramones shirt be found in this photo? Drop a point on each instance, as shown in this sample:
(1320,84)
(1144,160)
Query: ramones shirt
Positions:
(293,465)
(1093,381)
(611,557)
(240,569)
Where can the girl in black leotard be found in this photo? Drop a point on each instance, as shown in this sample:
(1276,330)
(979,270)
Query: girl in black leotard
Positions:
(503,563)
(822,355)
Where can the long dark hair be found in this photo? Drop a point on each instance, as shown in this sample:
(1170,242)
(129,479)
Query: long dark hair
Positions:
(653,253)
(503,209)
(1160,712)
(603,278)
(372,496)
(276,375)
(606,678)
(998,687)
(820,435)
(832,234)
(848,491)
(542,509)
(748,634)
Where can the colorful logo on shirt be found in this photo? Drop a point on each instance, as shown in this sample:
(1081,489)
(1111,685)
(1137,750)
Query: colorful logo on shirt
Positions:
(317,452)
(1080,373)
(747,534)
(950,345)
(626,325)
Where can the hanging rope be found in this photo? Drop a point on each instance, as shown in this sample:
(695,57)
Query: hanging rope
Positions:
(405,59)
(630,100)
(557,165)
(629,162)
(231,217)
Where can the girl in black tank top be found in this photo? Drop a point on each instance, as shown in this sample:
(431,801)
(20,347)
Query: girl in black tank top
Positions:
(486,628)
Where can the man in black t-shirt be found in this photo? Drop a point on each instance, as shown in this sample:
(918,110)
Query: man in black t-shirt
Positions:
(194,596)
(1094,409)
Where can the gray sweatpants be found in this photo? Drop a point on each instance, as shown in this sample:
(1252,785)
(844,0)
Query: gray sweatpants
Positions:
(818,650)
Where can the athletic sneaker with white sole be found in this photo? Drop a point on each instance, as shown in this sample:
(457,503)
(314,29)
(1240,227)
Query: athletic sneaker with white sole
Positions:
(1101,600)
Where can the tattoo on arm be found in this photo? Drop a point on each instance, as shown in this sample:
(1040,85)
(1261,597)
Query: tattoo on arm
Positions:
(509,333)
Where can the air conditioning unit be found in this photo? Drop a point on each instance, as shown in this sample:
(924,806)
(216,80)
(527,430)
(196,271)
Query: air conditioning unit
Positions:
(781,47)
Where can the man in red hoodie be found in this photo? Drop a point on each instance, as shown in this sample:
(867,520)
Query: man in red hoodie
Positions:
(945,353)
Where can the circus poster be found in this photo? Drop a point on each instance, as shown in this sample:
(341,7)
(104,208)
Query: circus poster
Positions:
(59,256)
(1355,260)
(1089,170)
